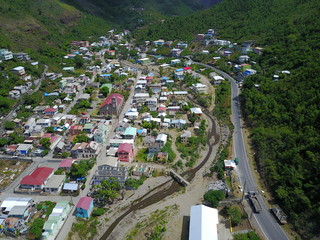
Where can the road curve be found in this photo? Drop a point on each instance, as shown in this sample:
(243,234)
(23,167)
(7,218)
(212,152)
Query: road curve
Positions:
(267,223)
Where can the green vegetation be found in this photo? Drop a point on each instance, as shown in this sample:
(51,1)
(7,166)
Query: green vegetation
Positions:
(246,236)
(107,191)
(214,197)
(80,138)
(80,169)
(96,212)
(235,214)
(133,183)
(167,148)
(35,229)
(9,125)
(84,229)
(222,109)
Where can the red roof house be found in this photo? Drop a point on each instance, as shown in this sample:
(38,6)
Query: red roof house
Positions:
(125,152)
(37,179)
(112,105)
(66,164)
(50,111)
(162,109)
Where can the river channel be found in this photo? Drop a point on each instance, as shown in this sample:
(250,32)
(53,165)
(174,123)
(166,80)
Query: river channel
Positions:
(145,201)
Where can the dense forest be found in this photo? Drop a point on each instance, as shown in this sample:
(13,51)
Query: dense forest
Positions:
(131,13)
(284,115)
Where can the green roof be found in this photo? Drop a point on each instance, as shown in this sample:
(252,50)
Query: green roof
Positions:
(47,225)
(88,126)
(62,204)
(131,131)
(108,85)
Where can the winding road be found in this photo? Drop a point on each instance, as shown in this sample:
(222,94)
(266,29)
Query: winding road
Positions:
(266,222)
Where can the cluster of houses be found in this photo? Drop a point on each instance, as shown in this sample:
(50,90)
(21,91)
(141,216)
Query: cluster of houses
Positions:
(15,213)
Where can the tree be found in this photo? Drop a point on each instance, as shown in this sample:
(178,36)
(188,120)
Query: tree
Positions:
(104,91)
(35,230)
(45,142)
(107,191)
(80,138)
(50,129)
(235,214)
(214,197)
(9,125)
(3,141)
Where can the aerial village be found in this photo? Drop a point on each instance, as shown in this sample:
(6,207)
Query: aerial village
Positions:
(125,118)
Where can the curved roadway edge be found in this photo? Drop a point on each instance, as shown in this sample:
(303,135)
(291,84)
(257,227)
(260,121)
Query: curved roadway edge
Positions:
(266,222)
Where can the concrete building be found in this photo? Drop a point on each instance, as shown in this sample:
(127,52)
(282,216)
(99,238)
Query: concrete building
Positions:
(203,223)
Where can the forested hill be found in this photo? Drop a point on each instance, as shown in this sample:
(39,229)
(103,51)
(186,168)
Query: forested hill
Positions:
(39,24)
(131,13)
(285,114)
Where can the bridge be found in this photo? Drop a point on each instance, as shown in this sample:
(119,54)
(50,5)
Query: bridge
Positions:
(178,178)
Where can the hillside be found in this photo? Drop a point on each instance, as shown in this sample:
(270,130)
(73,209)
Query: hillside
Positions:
(38,24)
(284,116)
(138,12)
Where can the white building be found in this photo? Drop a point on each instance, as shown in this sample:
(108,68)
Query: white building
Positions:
(199,87)
(203,223)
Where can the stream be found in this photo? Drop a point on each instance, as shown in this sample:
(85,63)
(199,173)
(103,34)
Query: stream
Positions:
(145,201)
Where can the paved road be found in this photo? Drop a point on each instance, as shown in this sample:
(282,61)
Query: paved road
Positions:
(267,223)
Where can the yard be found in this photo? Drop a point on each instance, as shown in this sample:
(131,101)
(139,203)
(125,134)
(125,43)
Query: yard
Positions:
(9,170)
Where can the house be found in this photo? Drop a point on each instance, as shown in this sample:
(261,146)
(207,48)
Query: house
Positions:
(142,170)
(100,134)
(43,122)
(154,148)
(187,69)
(68,69)
(22,56)
(105,172)
(54,184)
(35,131)
(199,88)
(70,187)
(125,152)
(203,223)
(148,141)
(175,61)
(144,61)
(244,58)
(162,156)
(229,164)
(185,136)
(18,71)
(178,123)
(217,80)
(161,139)
(66,164)
(84,207)
(21,212)
(11,202)
(132,114)
(116,142)
(88,127)
(130,133)
(86,150)
(75,129)
(150,102)
(37,179)
(5,54)
(56,219)
(196,111)
(23,149)
(112,105)
(140,97)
